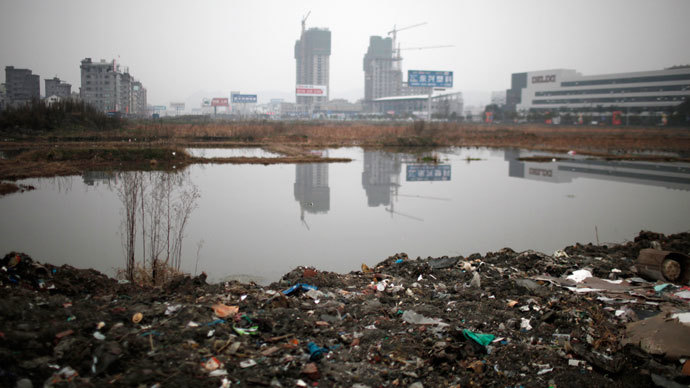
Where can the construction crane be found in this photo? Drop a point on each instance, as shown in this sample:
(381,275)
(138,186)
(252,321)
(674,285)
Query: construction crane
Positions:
(425,47)
(394,33)
(304,21)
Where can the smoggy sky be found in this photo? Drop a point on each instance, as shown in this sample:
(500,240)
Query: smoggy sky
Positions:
(184,50)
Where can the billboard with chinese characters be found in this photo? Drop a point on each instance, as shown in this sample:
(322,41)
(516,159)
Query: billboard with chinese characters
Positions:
(177,105)
(428,172)
(428,78)
(219,101)
(311,90)
(243,98)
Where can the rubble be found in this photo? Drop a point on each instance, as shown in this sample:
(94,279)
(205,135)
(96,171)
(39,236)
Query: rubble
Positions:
(582,317)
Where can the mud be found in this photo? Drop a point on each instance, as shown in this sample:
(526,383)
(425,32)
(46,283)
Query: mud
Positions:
(403,322)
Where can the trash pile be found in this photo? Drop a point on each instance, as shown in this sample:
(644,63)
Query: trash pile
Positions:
(585,316)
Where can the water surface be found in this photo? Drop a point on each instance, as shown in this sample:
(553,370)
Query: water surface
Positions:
(262,221)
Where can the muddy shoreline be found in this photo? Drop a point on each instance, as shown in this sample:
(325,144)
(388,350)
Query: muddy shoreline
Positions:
(402,322)
(148,146)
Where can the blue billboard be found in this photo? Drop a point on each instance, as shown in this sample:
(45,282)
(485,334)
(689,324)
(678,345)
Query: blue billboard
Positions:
(243,98)
(428,78)
(428,172)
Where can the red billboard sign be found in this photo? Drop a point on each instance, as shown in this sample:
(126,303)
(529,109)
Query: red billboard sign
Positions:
(218,101)
(311,90)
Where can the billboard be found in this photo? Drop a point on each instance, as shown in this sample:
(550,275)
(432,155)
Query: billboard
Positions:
(428,172)
(243,98)
(219,101)
(177,105)
(206,102)
(428,78)
(311,90)
(159,107)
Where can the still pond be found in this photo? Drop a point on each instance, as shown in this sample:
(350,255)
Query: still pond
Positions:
(256,222)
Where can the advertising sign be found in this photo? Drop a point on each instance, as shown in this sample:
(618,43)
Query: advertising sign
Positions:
(159,107)
(219,101)
(428,78)
(311,90)
(428,172)
(177,105)
(206,102)
(243,98)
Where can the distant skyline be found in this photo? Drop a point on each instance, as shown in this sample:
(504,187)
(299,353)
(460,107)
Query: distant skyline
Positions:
(183,50)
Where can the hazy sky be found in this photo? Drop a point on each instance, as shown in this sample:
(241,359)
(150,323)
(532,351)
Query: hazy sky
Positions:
(182,50)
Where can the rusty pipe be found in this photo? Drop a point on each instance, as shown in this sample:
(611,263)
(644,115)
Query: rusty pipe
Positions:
(666,266)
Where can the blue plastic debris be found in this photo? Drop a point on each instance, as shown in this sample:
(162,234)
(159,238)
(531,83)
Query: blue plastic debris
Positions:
(316,352)
(298,286)
(217,321)
(152,332)
(398,261)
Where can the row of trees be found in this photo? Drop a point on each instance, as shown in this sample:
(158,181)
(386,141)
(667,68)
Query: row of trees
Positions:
(61,115)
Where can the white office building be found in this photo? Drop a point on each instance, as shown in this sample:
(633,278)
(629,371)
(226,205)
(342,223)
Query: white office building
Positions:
(565,89)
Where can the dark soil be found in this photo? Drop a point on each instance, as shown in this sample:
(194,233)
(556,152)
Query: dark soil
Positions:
(62,326)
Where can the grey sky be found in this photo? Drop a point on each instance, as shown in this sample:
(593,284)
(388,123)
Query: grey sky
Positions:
(180,49)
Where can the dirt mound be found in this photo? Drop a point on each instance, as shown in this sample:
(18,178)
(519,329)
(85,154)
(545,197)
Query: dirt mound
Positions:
(504,319)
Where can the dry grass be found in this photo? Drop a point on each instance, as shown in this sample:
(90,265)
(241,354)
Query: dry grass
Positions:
(143,274)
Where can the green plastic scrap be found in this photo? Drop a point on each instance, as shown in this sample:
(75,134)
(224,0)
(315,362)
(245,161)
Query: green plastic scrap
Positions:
(660,287)
(481,339)
(250,331)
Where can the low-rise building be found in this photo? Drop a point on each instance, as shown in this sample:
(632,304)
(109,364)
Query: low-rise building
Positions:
(447,105)
(56,87)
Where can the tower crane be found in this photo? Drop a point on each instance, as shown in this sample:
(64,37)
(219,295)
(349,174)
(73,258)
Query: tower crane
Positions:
(426,47)
(304,21)
(394,33)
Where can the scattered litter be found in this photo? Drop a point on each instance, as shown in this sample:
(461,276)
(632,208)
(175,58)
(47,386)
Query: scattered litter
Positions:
(481,339)
(316,352)
(247,364)
(410,316)
(223,311)
(299,286)
(579,275)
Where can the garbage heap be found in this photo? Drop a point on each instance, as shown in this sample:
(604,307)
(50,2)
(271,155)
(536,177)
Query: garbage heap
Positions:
(579,317)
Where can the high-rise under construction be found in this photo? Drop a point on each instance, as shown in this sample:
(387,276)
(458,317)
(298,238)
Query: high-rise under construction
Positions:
(382,78)
(312,53)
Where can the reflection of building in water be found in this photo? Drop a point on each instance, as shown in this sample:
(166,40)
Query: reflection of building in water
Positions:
(311,188)
(381,176)
(93,177)
(672,176)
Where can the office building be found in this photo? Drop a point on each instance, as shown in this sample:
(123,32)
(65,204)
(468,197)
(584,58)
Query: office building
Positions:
(568,90)
(58,88)
(312,53)
(21,86)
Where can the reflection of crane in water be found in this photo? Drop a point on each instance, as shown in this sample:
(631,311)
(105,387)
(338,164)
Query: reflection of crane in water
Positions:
(394,199)
(301,217)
